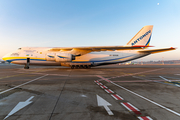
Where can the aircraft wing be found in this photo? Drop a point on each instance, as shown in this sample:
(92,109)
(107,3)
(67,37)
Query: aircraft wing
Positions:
(152,51)
(85,50)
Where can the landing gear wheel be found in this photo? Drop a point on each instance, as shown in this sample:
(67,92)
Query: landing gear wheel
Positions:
(26,67)
(81,66)
(77,66)
(72,67)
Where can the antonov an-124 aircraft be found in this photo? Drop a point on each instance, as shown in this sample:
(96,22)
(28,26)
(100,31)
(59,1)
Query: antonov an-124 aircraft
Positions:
(86,57)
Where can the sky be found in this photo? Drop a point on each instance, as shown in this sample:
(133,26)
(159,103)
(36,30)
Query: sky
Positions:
(73,23)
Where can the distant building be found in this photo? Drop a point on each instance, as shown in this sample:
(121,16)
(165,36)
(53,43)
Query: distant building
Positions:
(159,62)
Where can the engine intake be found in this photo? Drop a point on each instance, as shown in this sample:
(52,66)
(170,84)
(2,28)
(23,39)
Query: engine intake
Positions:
(50,56)
(64,57)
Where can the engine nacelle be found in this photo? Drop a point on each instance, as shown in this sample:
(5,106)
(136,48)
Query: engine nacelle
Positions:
(64,57)
(50,56)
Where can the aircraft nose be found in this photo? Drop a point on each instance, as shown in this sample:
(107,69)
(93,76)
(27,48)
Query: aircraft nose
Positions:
(5,57)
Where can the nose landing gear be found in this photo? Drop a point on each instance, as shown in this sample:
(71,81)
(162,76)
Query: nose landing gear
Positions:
(27,64)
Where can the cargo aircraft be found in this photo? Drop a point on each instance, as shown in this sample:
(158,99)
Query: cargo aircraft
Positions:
(86,57)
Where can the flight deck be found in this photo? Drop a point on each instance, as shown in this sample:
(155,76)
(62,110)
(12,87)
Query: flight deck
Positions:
(112,92)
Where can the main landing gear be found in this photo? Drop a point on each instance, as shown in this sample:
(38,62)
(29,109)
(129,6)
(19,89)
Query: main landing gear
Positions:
(81,66)
(27,64)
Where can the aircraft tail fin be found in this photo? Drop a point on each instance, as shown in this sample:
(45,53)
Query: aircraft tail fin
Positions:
(142,38)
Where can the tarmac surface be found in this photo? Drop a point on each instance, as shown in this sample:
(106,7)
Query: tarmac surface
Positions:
(113,92)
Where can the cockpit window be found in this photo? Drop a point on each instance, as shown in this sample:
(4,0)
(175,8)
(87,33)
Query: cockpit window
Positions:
(19,48)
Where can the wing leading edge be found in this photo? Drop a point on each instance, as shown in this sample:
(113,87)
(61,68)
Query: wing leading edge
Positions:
(85,50)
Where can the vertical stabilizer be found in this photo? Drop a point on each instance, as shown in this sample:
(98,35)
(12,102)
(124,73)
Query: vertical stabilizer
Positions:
(143,37)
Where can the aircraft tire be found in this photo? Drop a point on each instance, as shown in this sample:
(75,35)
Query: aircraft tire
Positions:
(85,66)
(26,67)
(81,66)
(89,66)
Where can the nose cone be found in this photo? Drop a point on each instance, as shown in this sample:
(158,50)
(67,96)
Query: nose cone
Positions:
(5,58)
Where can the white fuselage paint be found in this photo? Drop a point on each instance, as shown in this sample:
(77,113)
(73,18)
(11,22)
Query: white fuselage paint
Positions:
(38,56)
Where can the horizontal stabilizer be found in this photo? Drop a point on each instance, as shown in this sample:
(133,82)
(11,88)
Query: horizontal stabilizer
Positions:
(152,51)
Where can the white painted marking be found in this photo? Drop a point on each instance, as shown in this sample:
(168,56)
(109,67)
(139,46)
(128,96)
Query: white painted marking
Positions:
(134,73)
(23,84)
(147,117)
(165,79)
(19,106)
(98,83)
(114,97)
(43,73)
(117,98)
(103,78)
(103,87)
(83,96)
(105,104)
(177,85)
(126,107)
(177,74)
(174,112)
(109,91)
(131,106)
(140,118)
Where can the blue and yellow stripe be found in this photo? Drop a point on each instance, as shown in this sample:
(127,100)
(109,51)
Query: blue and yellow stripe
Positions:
(11,59)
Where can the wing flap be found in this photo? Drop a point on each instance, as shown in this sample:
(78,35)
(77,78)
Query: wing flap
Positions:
(156,50)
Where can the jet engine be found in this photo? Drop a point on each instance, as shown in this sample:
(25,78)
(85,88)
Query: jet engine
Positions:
(64,57)
(50,56)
